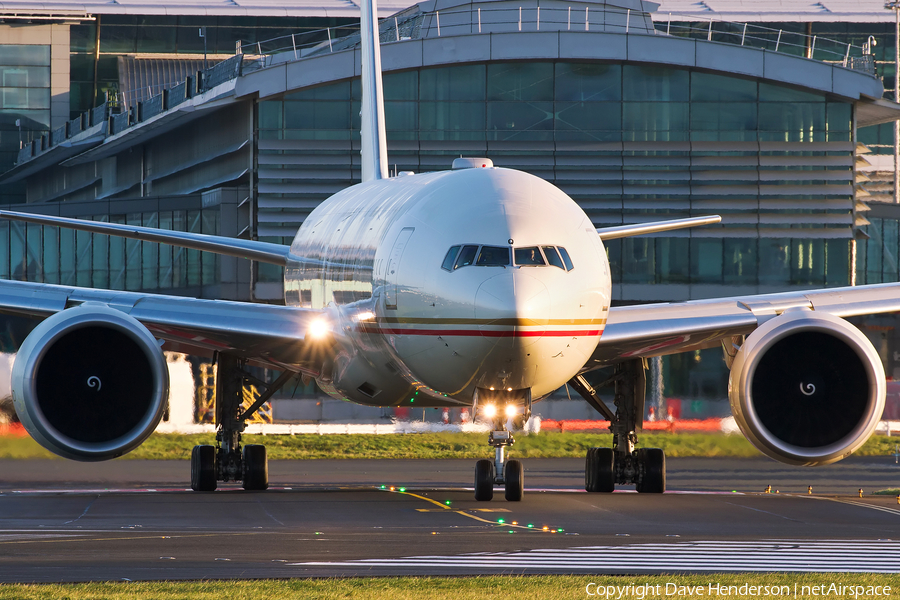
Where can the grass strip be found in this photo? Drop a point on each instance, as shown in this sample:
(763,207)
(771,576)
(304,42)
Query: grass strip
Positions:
(549,444)
(543,587)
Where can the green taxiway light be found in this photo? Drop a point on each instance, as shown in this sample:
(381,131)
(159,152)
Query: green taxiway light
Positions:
(560,529)
(383,487)
(531,525)
(501,521)
(447,503)
(402,489)
(511,531)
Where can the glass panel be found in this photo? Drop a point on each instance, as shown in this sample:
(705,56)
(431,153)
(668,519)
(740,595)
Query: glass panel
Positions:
(776,93)
(889,253)
(706,261)
(552,256)
(732,116)
(165,253)
(333,91)
(179,258)
(17,255)
(507,120)
(528,256)
(740,267)
(493,256)
(808,261)
(774,261)
(706,87)
(270,115)
(100,261)
(655,117)
(401,86)
(67,256)
(4,249)
(34,271)
(840,116)
(520,81)
(450,258)
(566,259)
(673,260)
(24,76)
(589,116)
(193,256)
(133,257)
(316,115)
(153,35)
(451,120)
(83,258)
(27,98)
(116,258)
(210,260)
(837,262)
(805,119)
(466,257)
(401,117)
(120,38)
(25,55)
(638,264)
(150,255)
(453,83)
(660,84)
(583,82)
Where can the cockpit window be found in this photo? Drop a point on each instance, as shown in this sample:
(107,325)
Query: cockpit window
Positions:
(493,256)
(552,256)
(566,259)
(466,256)
(450,258)
(529,256)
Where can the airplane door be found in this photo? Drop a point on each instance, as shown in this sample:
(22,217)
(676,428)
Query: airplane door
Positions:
(393,267)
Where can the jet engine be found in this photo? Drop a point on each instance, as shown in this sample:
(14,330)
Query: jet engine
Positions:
(807,388)
(90,383)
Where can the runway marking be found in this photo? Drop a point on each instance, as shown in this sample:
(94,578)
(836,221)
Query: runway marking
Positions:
(886,509)
(813,556)
(487,510)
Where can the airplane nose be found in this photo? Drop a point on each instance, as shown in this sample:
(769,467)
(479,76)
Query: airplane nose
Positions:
(512,304)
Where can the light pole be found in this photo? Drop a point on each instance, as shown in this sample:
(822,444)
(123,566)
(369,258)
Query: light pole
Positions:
(894,5)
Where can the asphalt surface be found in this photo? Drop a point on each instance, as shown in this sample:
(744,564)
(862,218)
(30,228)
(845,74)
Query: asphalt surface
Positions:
(126,519)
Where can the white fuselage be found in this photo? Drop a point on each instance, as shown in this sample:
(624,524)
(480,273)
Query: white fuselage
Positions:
(405,325)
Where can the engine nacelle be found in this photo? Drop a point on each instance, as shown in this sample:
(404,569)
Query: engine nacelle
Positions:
(90,383)
(807,388)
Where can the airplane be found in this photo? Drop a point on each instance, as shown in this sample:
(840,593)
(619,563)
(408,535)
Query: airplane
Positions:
(477,286)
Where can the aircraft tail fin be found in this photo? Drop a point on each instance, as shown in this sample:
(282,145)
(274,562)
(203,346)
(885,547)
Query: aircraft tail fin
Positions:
(374,140)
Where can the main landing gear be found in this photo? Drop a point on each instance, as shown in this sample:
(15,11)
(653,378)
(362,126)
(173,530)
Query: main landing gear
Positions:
(623,463)
(510,474)
(228,460)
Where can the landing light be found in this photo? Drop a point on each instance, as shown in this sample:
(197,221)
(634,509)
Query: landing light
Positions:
(318,329)
(490,411)
(511,410)
(366,315)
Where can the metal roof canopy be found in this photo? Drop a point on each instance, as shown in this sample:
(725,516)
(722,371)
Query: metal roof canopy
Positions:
(776,11)
(231,8)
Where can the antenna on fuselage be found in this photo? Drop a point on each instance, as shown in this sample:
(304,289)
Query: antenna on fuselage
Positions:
(372,133)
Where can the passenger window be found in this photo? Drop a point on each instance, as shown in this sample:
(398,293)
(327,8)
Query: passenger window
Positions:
(493,256)
(450,258)
(566,259)
(552,256)
(466,256)
(529,256)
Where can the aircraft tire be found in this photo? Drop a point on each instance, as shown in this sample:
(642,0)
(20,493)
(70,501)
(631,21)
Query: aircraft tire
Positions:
(484,480)
(256,467)
(652,463)
(203,468)
(514,480)
(600,470)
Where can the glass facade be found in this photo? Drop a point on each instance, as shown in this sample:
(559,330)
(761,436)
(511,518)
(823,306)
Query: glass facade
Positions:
(158,34)
(24,99)
(576,103)
(42,254)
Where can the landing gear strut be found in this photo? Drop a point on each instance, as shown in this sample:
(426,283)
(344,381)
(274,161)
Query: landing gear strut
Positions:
(622,464)
(227,460)
(510,474)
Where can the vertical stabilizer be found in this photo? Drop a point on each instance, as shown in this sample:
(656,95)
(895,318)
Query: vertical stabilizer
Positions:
(374,141)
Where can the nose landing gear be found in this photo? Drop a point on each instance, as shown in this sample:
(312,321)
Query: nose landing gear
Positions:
(510,474)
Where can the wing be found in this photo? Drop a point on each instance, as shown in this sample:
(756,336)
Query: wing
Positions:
(263,333)
(658,329)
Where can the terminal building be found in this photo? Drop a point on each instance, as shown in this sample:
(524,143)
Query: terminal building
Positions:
(639,112)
